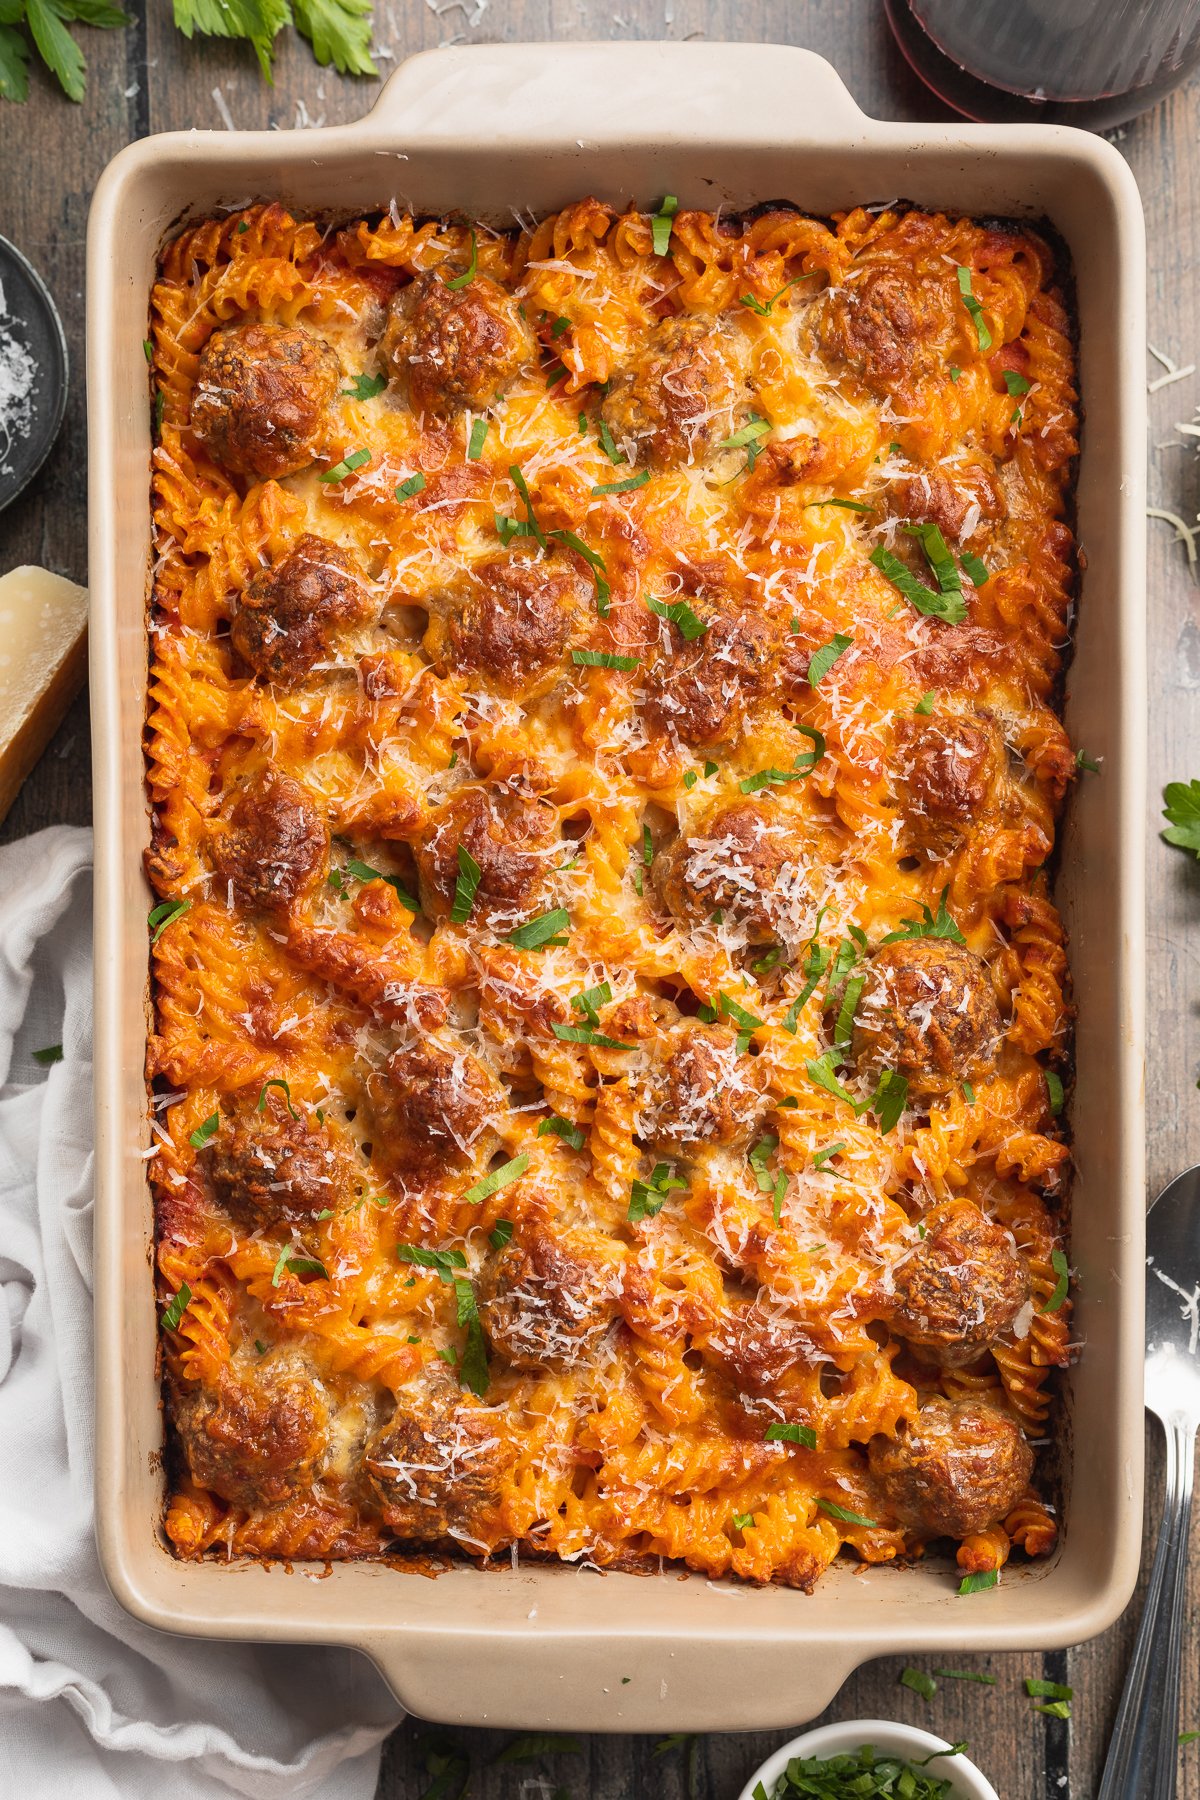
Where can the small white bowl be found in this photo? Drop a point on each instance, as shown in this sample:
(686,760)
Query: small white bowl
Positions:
(892,1739)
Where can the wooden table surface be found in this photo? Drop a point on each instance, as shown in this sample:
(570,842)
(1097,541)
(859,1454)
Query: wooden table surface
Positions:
(147,78)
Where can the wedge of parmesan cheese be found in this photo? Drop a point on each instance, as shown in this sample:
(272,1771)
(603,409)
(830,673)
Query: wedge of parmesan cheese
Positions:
(43,659)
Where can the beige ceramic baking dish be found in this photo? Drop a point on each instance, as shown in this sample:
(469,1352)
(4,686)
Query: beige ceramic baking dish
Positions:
(483,131)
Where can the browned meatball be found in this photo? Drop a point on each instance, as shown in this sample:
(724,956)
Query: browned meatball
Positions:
(929,1013)
(510,622)
(431,1106)
(961,1287)
(699,1090)
(454,347)
(266,1166)
(545,1300)
(757,1348)
(258,1434)
(934,498)
(435,1467)
(699,694)
(512,838)
(288,617)
(276,845)
(732,866)
(678,395)
(948,769)
(261,395)
(889,326)
(962,1466)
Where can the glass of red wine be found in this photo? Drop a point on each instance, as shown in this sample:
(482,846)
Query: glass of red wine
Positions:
(1064,62)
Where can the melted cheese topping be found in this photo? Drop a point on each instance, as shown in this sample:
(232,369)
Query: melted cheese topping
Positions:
(720,1129)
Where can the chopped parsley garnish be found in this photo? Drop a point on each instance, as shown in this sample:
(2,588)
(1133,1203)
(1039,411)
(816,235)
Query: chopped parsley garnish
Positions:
(414,485)
(528,527)
(844,1028)
(824,658)
(164,914)
(500,1234)
(536,1744)
(803,765)
(499,1178)
(595,562)
(743,1521)
(890,1099)
(160,407)
(763,307)
(583,424)
(607,441)
(1047,1690)
(1062,1270)
(821,1157)
(557,1126)
(205,1133)
(365,387)
(176,1308)
(602,659)
(976,1584)
(757,1158)
(954,373)
(362,871)
(1084,761)
(53,1053)
(297,1265)
(468,274)
(749,434)
(937,555)
(815,961)
(856,506)
(625,486)
(976,569)
(148,349)
(473,1366)
(591,999)
(690,778)
(982,334)
(779,1433)
(769,960)
(466,887)
(749,1022)
(276,1081)
(586,1034)
(967,1675)
(647,1198)
(1057,1709)
(647,846)
(442,1262)
(930,925)
(845,1515)
(820,1071)
(555,373)
(347,466)
(1054,1088)
(919,1682)
(661,222)
(546,929)
(950,607)
(924,705)
(1182,810)
(1016,384)
(479,431)
(681,615)
(968,1093)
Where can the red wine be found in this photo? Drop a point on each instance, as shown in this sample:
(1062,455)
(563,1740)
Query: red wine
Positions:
(1066,62)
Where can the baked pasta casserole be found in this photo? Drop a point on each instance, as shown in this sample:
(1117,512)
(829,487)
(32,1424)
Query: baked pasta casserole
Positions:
(610,1022)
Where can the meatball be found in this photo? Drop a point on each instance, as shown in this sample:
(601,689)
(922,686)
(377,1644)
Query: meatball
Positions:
(267,1166)
(432,1105)
(889,326)
(261,395)
(287,617)
(928,1012)
(699,1090)
(932,497)
(700,692)
(545,1301)
(513,840)
(275,847)
(962,1466)
(435,1467)
(678,396)
(757,1348)
(258,1435)
(511,623)
(454,347)
(732,867)
(961,1287)
(948,770)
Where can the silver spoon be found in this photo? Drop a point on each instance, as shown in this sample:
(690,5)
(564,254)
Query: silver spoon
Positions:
(1143,1754)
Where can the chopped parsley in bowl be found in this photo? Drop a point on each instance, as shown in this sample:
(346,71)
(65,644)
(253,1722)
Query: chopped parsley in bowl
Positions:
(868,1759)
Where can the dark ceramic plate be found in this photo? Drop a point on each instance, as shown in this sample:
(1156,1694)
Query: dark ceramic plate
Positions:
(33,362)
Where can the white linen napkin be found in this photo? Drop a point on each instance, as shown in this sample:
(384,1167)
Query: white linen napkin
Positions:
(93,1704)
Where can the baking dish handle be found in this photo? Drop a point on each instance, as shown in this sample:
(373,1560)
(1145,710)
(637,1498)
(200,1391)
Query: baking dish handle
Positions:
(596,95)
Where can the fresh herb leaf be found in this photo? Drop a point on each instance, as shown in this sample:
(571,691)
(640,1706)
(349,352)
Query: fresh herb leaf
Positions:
(176,1308)
(779,1433)
(770,960)
(560,325)
(660,224)
(749,434)
(803,765)
(919,1682)
(681,615)
(626,486)
(967,1675)
(559,1127)
(1054,1088)
(845,1515)
(414,485)
(473,1366)
(362,871)
(647,1198)
(976,569)
(14,59)
(586,1034)
(536,1744)
(1182,809)
(468,274)
(937,555)
(824,658)
(930,925)
(500,1234)
(690,778)
(950,607)
(466,887)
(595,562)
(522,486)
(1062,1270)
(855,506)
(982,334)
(276,1081)
(53,1053)
(749,1022)
(443,1262)
(347,466)
(547,928)
(297,1265)
(499,1178)
(978,1583)
(924,705)
(365,387)
(743,1521)
(164,914)
(1047,1690)
(607,441)
(1084,761)
(890,1100)
(757,1158)
(205,1133)
(1016,384)
(763,307)
(479,431)
(820,1071)
(1057,1709)
(844,1028)
(821,1157)
(602,659)
(148,349)
(968,1093)
(339,32)
(954,372)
